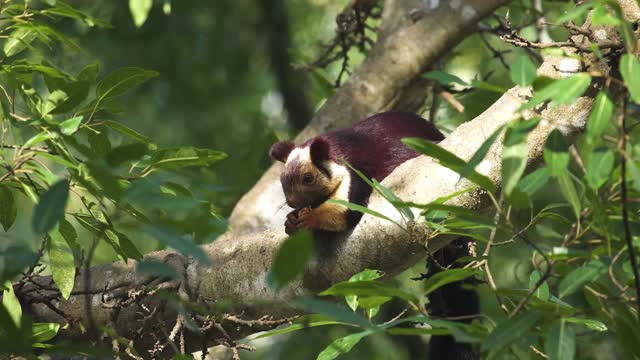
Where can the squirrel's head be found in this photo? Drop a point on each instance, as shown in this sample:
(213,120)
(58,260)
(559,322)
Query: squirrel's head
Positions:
(309,176)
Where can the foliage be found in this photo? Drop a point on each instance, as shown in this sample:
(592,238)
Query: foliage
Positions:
(83,181)
(81,172)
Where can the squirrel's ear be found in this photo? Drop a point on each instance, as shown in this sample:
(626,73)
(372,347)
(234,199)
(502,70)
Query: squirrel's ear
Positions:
(280,150)
(319,150)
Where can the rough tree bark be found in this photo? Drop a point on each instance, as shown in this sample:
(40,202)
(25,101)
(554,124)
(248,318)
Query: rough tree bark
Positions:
(241,258)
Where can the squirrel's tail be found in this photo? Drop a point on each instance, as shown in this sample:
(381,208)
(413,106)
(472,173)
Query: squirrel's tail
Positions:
(452,300)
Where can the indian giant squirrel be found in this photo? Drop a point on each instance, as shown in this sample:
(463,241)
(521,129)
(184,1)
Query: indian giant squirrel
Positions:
(316,171)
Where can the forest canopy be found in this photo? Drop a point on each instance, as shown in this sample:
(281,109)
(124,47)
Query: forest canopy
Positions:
(142,217)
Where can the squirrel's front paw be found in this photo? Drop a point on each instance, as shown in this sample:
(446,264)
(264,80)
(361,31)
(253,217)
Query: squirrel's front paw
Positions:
(299,219)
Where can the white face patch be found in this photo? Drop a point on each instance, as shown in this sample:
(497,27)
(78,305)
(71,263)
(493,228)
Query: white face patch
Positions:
(339,173)
(302,154)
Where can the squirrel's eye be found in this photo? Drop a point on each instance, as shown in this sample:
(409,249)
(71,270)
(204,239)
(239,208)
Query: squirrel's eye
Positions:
(307,178)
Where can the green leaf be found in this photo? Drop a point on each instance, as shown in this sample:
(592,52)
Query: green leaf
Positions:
(448,160)
(514,162)
(8,209)
(570,193)
(523,71)
(103,177)
(580,276)
(291,259)
(126,153)
(42,332)
(602,16)
(50,208)
(14,259)
(61,262)
(542,292)
(479,155)
(359,208)
(630,70)
(574,13)
(122,245)
(392,198)
(556,153)
(564,91)
(599,167)
(444,78)
(443,278)
(561,341)
(75,92)
(634,171)
(533,182)
(11,304)
(332,311)
(157,268)
(140,11)
(70,126)
(589,323)
(342,345)
(175,158)
(126,131)
(600,117)
(18,40)
(367,274)
(510,330)
(182,243)
(89,73)
(122,80)
(363,288)
(296,327)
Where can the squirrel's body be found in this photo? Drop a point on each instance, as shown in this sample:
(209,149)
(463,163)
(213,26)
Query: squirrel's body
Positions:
(316,170)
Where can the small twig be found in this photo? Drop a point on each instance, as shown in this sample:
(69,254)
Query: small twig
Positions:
(452,101)
(625,210)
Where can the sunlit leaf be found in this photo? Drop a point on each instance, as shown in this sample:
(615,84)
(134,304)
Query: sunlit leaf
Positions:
(589,323)
(542,292)
(364,288)
(18,40)
(68,127)
(599,167)
(61,262)
(291,259)
(556,153)
(600,117)
(11,304)
(564,91)
(342,346)
(359,208)
(630,70)
(367,274)
(140,11)
(42,332)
